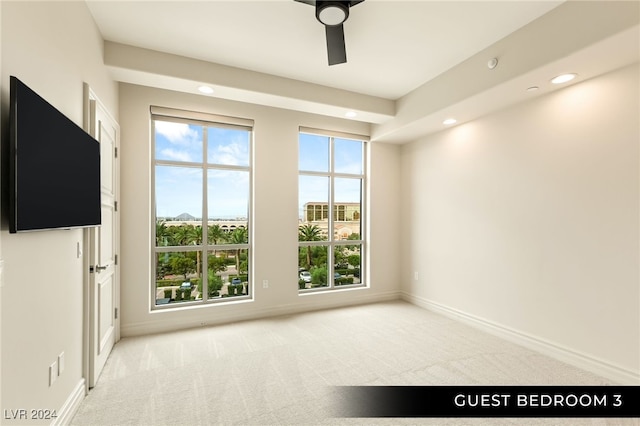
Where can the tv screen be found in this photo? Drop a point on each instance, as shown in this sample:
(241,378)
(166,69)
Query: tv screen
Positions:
(54,166)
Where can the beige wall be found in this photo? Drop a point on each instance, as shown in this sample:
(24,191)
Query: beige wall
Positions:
(53,47)
(275,213)
(527,221)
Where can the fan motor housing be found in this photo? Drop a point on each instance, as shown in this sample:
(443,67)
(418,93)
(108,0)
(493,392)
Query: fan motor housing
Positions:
(332,12)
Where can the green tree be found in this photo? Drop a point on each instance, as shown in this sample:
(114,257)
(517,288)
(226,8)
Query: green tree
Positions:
(215,234)
(182,264)
(214,284)
(162,236)
(339,255)
(185,235)
(162,239)
(353,236)
(309,233)
(238,236)
(195,238)
(354,260)
(244,263)
(319,277)
(319,255)
(217,264)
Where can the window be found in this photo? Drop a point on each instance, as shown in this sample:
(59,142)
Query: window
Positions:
(331,247)
(202,199)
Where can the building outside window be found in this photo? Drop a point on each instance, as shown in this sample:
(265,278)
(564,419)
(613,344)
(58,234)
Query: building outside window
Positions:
(331,247)
(202,204)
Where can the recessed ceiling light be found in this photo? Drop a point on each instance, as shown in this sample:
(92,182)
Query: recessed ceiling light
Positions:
(563,78)
(205,89)
(449,121)
(351,114)
(532,88)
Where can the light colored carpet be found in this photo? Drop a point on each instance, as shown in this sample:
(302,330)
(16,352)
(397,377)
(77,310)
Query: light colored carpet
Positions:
(282,370)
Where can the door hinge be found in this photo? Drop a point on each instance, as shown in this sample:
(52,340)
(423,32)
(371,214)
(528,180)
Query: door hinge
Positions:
(91,269)
(116,313)
(115,259)
(115,205)
(115,152)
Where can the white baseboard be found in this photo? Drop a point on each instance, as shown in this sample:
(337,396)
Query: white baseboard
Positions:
(584,361)
(306,303)
(71,405)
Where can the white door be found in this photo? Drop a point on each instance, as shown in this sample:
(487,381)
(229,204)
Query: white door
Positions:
(103,283)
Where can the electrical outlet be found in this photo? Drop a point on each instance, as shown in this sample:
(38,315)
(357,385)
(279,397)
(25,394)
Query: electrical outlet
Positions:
(60,363)
(53,372)
(265,283)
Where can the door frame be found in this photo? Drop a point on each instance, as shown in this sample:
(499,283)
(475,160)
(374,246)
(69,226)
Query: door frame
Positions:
(90,126)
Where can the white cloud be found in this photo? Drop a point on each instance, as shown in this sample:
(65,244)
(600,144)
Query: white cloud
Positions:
(172,154)
(176,133)
(232,154)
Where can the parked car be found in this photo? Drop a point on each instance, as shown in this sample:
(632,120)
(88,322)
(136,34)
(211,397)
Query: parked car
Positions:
(186,286)
(305,276)
(236,281)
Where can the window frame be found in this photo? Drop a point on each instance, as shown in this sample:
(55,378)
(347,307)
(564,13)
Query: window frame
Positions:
(205,120)
(332,210)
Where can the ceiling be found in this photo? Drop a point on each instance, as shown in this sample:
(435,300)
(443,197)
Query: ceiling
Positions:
(395,51)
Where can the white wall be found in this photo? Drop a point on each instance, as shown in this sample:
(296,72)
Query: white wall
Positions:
(275,214)
(53,47)
(527,222)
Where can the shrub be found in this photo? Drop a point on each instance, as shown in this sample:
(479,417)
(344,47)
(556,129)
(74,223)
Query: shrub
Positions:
(318,277)
(214,284)
(168,283)
(344,280)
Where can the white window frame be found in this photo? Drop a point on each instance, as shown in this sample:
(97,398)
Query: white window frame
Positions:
(331,243)
(205,120)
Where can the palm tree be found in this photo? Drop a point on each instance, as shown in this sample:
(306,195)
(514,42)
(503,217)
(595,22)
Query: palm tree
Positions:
(183,234)
(238,236)
(161,233)
(309,233)
(215,234)
(162,239)
(195,237)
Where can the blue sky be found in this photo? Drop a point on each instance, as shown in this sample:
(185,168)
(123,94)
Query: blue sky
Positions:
(179,188)
(313,156)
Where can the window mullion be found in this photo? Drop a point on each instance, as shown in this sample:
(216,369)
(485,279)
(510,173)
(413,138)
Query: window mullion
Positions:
(331,223)
(191,165)
(342,181)
(205,215)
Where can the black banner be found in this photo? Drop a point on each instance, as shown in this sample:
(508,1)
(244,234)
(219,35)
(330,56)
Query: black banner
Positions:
(487,401)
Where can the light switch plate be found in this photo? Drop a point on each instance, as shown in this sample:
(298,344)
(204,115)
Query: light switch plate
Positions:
(53,372)
(60,363)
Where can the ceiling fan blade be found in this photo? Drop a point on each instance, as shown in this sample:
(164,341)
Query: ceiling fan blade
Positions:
(311,2)
(336,50)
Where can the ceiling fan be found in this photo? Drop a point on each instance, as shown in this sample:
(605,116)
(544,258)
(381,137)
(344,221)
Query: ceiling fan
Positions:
(332,15)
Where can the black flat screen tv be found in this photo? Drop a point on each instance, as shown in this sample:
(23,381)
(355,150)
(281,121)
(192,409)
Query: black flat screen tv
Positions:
(54,166)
